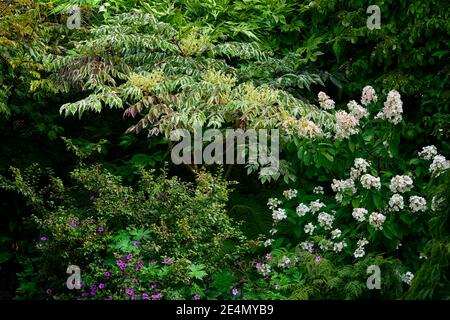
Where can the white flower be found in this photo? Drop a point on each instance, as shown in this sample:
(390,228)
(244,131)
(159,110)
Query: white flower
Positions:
(359,252)
(400,184)
(318,190)
(264,269)
(316,206)
(376,220)
(339,246)
(393,108)
(308,129)
(343,185)
(268,242)
(336,233)
(361,165)
(309,228)
(423,256)
(325,220)
(359,214)
(417,204)
(368,181)
(396,202)
(436,203)
(302,209)
(325,101)
(362,242)
(408,277)
(346,125)
(272,231)
(357,110)
(273,203)
(428,152)
(289,194)
(307,245)
(368,95)
(439,165)
(284,262)
(279,214)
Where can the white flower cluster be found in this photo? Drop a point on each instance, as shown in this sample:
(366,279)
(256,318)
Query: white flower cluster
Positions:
(417,204)
(316,205)
(336,233)
(376,220)
(325,245)
(309,228)
(268,242)
(264,269)
(393,108)
(408,277)
(400,184)
(368,181)
(325,220)
(346,125)
(308,246)
(318,190)
(279,214)
(308,129)
(428,152)
(284,262)
(360,166)
(359,214)
(359,252)
(356,110)
(343,187)
(396,202)
(339,246)
(302,209)
(439,165)
(289,194)
(325,101)
(273,203)
(368,95)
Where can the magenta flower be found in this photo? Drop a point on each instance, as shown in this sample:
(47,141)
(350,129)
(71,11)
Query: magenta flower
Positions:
(134,297)
(101,229)
(197,296)
(123,266)
(258,265)
(107,274)
(119,262)
(92,198)
(268,256)
(44,239)
(73,223)
(166,261)
(277,287)
(235,292)
(153,286)
(129,256)
(84,294)
(152,261)
(318,259)
(101,286)
(93,292)
(156,296)
(135,243)
(144,296)
(139,262)
(138,268)
(129,292)
(48,291)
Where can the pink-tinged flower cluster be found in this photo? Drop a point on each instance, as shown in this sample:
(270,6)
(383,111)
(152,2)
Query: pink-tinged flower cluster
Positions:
(346,125)
(368,96)
(393,108)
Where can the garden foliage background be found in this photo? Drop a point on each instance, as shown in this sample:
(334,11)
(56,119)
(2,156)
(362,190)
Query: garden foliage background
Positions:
(85,171)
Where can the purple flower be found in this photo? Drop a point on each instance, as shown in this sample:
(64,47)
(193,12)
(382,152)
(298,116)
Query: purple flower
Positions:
(268,256)
(152,262)
(119,262)
(134,297)
(156,296)
(135,243)
(108,298)
(197,296)
(317,258)
(44,239)
(166,261)
(48,291)
(101,229)
(107,274)
(84,294)
(123,266)
(92,198)
(73,223)
(235,292)
(139,262)
(129,292)
(258,265)
(93,287)
(93,292)
(153,286)
(129,256)
(144,296)
(101,286)
(138,268)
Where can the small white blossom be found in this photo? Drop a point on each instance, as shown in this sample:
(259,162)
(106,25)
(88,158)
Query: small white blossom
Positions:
(272,231)
(408,277)
(264,269)
(325,220)
(417,204)
(336,233)
(339,246)
(307,245)
(439,165)
(400,184)
(325,101)
(309,228)
(428,152)
(396,202)
(359,214)
(268,242)
(279,214)
(318,190)
(368,181)
(362,242)
(273,203)
(302,209)
(359,253)
(284,262)
(325,245)
(316,205)
(376,220)
(289,194)
(368,95)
